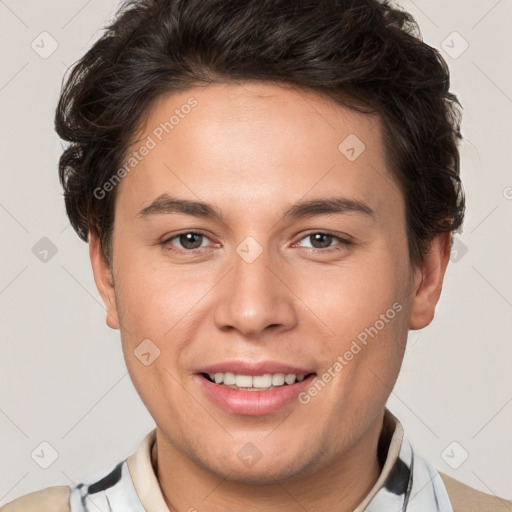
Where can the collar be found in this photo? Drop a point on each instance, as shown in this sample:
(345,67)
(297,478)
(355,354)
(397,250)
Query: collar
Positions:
(407,482)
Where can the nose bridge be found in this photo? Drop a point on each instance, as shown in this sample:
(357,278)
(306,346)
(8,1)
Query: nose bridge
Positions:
(253,297)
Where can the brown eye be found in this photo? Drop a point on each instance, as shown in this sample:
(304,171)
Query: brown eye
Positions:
(190,240)
(320,240)
(185,242)
(325,242)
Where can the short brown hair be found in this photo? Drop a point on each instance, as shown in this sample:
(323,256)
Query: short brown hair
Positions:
(364,54)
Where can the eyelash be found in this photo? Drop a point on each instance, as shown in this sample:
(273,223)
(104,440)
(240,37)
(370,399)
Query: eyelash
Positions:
(343,242)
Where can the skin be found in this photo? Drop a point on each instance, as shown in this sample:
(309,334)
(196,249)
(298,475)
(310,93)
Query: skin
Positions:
(251,150)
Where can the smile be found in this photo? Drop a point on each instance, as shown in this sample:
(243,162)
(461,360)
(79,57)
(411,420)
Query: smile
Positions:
(253,395)
(266,381)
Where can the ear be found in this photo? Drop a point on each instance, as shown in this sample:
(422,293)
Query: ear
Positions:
(428,282)
(103,280)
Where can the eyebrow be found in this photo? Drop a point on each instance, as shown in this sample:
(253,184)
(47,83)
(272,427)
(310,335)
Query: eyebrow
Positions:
(166,204)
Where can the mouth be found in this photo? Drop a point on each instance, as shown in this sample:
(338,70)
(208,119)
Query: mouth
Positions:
(253,389)
(264,382)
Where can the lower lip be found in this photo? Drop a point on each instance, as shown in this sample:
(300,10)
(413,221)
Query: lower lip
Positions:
(254,403)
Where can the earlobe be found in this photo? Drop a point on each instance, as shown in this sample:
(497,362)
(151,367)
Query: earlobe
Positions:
(429,282)
(103,280)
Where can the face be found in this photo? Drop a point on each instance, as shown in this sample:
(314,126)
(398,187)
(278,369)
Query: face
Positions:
(296,268)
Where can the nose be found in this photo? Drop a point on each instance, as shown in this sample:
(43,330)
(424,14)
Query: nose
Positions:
(254,298)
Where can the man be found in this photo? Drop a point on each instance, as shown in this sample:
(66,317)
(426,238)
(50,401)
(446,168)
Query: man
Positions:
(268,190)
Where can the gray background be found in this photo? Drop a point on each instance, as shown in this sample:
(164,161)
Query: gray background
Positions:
(62,375)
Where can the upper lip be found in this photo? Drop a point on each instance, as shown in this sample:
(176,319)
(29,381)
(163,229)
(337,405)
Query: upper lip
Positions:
(253,368)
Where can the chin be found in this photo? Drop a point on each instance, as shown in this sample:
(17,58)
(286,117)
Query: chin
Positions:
(269,469)
(260,474)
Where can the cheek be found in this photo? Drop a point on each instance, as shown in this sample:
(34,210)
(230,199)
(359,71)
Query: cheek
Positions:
(350,297)
(366,315)
(165,307)
(153,301)
(159,389)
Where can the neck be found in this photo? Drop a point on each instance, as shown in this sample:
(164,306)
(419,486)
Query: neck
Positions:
(340,485)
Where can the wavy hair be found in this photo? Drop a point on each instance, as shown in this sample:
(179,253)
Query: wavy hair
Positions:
(365,54)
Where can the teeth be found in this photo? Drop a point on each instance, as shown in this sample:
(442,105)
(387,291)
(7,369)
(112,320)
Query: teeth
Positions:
(243,381)
(229,379)
(261,381)
(290,378)
(265,381)
(278,379)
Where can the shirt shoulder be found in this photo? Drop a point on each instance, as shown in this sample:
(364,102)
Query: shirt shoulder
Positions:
(466,499)
(51,499)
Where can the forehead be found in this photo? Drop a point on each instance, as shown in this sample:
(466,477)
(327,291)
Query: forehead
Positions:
(255,141)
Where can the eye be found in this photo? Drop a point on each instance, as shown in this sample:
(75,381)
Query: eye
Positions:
(189,241)
(322,241)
